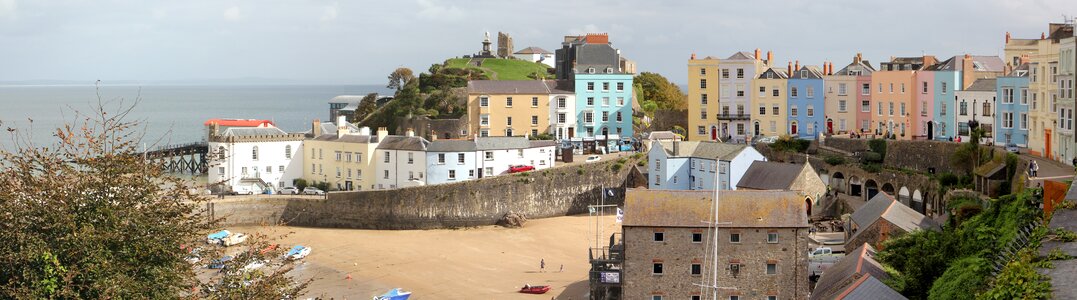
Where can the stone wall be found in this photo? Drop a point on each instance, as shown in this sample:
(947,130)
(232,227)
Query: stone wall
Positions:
(913,155)
(444,128)
(539,194)
(666,119)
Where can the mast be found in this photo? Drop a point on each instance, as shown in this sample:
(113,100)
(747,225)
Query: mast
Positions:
(714,239)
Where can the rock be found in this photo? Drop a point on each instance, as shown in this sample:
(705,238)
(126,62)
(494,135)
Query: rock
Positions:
(512,220)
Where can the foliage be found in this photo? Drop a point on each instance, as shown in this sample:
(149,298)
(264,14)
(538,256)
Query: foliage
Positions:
(616,167)
(400,77)
(501,69)
(871,168)
(542,137)
(970,154)
(367,106)
(1062,235)
(871,157)
(790,144)
(1058,254)
(967,274)
(299,183)
(878,146)
(917,258)
(1019,280)
(90,218)
(660,91)
(834,160)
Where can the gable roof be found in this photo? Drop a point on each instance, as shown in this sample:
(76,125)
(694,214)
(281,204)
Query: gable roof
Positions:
(501,142)
(702,149)
(982,63)
(869,287)
(507,87)
(533,50)
(983,85)
(741,209)
(773,73)
(842,276)
(239,122)
(451,146)
(663,135)
(767,175)
(561,86)
(883,206)
(347,138)
(813,73)
(397,142)
(346,99)
(742,55)
(863,66)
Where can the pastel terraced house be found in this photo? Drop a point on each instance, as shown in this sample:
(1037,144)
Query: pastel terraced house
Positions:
(735,82)
(1067,74)
(695,165)
(894,95)
(849,97)
(1043,57)
(976,104)
(806,102)
(703,99)
(343,157)
(942,80)
(1011,117)
(603,88)
(769,116)
(509,107)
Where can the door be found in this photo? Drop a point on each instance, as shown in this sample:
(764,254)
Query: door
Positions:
(930,130)
(793,128)
(347,185)
(571,132)
(1047,143)
(714,133)
(756,128)
(830,126)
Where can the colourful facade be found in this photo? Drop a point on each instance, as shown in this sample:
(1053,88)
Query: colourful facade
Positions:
(806,103)
(946,84)
(1011,117)
(603,104)
(735,78)
(769,102)
(1042,55)
(854,115)
(703,99)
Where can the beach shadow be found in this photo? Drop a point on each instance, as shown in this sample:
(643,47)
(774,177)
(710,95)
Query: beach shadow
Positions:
(575,291)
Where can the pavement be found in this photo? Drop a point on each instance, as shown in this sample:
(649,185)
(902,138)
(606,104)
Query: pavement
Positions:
(1064,273)
(1049,170)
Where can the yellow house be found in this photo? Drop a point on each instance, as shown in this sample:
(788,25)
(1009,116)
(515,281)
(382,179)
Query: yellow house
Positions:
(702,99)
(508,107)
(768,103)
(1042,55)
(344,158)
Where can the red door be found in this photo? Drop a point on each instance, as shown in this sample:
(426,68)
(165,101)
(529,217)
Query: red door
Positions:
(793,129)
(714,133)
(830,126)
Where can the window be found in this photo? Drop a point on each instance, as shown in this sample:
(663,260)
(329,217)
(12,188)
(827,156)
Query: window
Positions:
(987,109)
(772,237)
(775,92)
(793,111)
(605,86)
(452,174)
(740,128)
(254,153)
(484,120)
(697,237)
(1024,121)
(489,155)
(734,297)
(590,86)
(902,87)
(338,155)
(842,89)
(942,108)
(338,172)
(441,158)
(508,121)
(891,105)
(534,120)
(703,114)
(734,238)
(762,110)
(619,119)
(484,101)
(656,269)
(561,103)
(942,87)
(702,83)
(312,169)
(220,171)
(620,86)
(561,118)
(386,176)
(589,117)
(470,173)
(280,169)
(775,110)
(903,109)
(725,73)
(740,73)
(701,130)
(605,116)
(772,268)
(484,133)
(880,85)
(891,88)
(508,101)
(1007,120)
(811,92)
(411,157)
(773,126)
(702,71)
(697,269)
(703,99)
(811,111)
(287,151)
(606,101)
(964,109)
(740,90)
(865,89)
(803,74)
(659,237)
(841,105)
(865,106)
(386,156)
(348,156)
(925,88)
(489,171)
(621,101)
(880,107)
(772,297)
(590,101)
(793,92)
(534,101)
(459,158)
(656,297)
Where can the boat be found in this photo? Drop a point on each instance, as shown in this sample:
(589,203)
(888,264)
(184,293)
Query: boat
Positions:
(298,252)
(535,289)
(394,294)
(216,237)
(234,239)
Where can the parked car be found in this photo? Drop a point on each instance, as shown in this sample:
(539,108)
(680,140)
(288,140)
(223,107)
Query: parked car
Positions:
(520,168)
(234,239)
(593,158)
(289,190)
(1012,148)
(312,191)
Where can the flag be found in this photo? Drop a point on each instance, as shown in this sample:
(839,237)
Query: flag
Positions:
(620,215)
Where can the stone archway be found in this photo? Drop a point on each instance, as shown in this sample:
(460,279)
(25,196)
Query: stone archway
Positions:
(904,196)
(856,187)
(808,205)
(870,189)
(837,182)
(889,189)
(917,201)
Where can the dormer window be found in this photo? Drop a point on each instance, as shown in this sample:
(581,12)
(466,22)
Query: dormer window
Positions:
(609,70)
(590,70)
(803,74)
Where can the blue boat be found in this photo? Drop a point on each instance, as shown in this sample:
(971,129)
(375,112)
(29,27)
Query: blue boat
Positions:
(394,294)
(298,252)
(215,238)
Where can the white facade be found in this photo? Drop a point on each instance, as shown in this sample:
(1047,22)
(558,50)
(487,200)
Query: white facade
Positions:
(544,58)
(497,162)
(401,162)
(253,165)
(735,76)
(562,115)
(978,105)
(694,165)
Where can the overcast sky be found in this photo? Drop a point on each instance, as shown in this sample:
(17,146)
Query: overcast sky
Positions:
(360,42)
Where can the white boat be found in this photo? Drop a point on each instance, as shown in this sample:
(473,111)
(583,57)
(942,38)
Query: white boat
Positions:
(234,239)
(215,238)
(298,252)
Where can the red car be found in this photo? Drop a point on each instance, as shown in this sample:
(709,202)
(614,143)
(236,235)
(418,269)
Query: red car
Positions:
(520,168)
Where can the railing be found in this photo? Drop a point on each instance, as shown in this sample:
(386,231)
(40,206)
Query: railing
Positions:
(734,116)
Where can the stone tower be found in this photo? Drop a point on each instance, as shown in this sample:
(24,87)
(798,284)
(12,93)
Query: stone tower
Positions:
(504,45)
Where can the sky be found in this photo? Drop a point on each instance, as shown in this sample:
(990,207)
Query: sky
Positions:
(361,42)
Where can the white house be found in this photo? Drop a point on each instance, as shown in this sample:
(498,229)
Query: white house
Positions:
(451,161)
(401,161)
(976,103)
(459,160)
(251,160)
(692,165)
(535,54)
(562,109)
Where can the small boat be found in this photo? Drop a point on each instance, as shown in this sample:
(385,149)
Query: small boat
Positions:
(535,289)
(394,294)
(219,263)
(215,238)
(298,252)
(234,239)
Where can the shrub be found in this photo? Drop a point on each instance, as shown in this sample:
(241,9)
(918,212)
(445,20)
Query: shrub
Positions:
(964,276)
(871,168)
(877,146)
(834,160)
(947,179)
(871,157)
(299,183)
(617,167)
(790,144)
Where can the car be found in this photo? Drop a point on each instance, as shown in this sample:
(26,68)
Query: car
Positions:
(520,168)
(289,190)
(312,191)
(1012,148)
(593,158)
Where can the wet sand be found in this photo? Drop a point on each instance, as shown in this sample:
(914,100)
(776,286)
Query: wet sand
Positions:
(487,262)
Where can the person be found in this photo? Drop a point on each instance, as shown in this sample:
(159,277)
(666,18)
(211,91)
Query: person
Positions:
(562,268)
(542,265)
(1032,169)
(1035,169)
(811,231)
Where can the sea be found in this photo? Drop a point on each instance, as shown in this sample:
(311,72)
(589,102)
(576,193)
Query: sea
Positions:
(167,114)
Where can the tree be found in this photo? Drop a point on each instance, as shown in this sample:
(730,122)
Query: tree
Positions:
(90,218)
(659,90)
(399,78)
(366,107)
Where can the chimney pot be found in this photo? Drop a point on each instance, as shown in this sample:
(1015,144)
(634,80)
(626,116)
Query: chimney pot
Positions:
(693,55)
(797,66)
(1007,37)
(770,56)
(790,71)
(1043,36)
(757,53)
(411,132)
(316,128)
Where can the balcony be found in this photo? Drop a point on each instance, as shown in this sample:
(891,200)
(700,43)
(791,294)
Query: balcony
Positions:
(734,116)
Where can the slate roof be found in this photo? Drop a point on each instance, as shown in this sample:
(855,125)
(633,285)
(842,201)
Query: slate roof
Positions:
(775,73)
(742,209)
(397,142)
(347,138)
(742,55)
(507,87)
(870,288)
(252,131)
(533,50)
(857,263)
(813,73)
(501,142)
(883,206)
(239,122)
(330,128)
(767,175)
(543,143)
(864,66)
(561,86)
(703,149)
(451,146)
(662,135)
(983,85)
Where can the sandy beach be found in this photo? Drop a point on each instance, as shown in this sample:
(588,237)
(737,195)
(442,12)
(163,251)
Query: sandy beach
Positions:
(487,262)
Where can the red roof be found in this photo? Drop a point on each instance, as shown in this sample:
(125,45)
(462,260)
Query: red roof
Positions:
(240,122)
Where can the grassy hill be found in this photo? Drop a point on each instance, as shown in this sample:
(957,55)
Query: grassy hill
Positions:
(502,69)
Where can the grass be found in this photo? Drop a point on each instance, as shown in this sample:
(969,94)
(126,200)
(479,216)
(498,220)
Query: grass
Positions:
(502,69)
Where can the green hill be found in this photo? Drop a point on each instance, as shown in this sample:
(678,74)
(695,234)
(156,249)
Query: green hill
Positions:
(501,69)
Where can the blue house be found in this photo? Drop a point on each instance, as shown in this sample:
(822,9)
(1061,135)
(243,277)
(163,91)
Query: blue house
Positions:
(807,112)
(604,106)
(695,165)
(1011,113)
(946,83)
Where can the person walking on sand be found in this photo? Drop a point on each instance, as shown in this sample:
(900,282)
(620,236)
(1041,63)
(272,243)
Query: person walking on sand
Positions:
(562,268)
(542,265)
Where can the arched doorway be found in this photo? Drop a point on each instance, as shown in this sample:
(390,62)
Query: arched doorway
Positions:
(756,128)
(807,205)
(917,201)
(793,128)
(830,126)
(870,189)
(930,130)
(888,189)
(837,182)
(856,188)
(714,133)
(904,196)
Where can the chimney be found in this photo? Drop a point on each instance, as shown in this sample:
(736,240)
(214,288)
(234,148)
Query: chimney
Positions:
(382,133)
(342,126)
(1007,37)
(213,130)
(1008,69)
(1025,59)
(797,66)
(411,132)
(859,58)
(364,130)
(316,128)
(790,68)
(757,54)
(968,71)
(770,56)
(1043,36)
(433,135)
(676,147)
(693,56)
